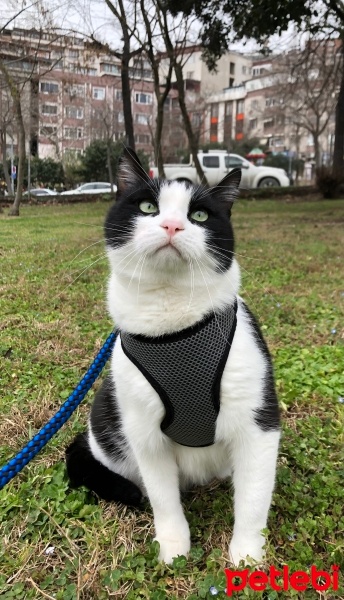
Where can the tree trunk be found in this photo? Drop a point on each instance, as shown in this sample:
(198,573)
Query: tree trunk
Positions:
(109,166)
(317,157)
(338,149)
(14,210)
(159,121)
(187,123)
(4,163)
(126,93)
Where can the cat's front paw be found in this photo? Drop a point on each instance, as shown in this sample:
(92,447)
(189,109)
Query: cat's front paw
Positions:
(248,548)
(170,548)
(174,541)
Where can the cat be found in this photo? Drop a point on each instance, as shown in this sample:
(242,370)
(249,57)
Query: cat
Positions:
(190,396)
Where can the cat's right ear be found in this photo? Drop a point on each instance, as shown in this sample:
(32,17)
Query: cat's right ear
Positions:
(130,171)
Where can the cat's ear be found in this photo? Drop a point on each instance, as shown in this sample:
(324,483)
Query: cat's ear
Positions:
(130,171)
(228,188)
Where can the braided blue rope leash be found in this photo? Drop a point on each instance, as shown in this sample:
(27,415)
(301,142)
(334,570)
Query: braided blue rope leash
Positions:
(38,442)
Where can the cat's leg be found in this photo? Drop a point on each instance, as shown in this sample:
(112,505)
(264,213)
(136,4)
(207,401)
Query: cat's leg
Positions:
(254,455)
(160,476)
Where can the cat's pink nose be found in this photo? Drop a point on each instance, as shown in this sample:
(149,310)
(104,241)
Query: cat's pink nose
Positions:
(172,226)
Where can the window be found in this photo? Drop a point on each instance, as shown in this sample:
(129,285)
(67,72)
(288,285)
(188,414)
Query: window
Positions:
(77,91)
(98,93)
(277,142)
(141,138)
(48,87)
(239,126)
(120,117)
(49,109)
(118,95)
(109,68)
(232,68)
(196,119)
(268,124)
(211,162)
(82,70)
(256,71)
(74,112)
(270,101)
(73,53)
(233,161)
(189,75)
(47,131)
(58,65)
(141,98)
(73,133)
(229,109)
(231,82)
(214,110)
(240,107)
(243,70)
(252,124)
(254,104)
(142,119)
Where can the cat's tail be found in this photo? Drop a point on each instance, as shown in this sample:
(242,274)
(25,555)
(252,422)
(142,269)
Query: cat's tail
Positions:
(84,469)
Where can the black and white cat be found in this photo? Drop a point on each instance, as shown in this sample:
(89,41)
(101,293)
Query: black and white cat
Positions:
(191,392)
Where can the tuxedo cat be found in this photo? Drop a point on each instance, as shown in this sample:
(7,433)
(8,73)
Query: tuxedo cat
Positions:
(190,396)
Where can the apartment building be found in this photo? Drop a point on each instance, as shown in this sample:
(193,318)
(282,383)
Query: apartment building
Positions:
(259,108)
(206,97)
(72,94)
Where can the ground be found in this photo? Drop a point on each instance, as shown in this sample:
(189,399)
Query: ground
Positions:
(61,543)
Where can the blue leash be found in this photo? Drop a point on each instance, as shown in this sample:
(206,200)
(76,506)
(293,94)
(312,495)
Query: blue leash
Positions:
(38,442)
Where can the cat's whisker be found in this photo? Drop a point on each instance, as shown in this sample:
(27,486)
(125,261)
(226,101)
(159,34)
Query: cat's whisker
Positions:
(138,285)
(82,260)
(78,277)
(232,252)
(133,274)
(84,249)
(133,253)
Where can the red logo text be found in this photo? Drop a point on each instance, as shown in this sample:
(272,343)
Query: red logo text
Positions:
(282,579)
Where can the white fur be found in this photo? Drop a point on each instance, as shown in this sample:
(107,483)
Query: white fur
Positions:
(156,289)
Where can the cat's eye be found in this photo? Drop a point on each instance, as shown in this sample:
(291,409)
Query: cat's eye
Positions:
(148,207)
(199,215)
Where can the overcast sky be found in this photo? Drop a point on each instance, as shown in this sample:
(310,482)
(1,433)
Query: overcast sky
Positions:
(86,16)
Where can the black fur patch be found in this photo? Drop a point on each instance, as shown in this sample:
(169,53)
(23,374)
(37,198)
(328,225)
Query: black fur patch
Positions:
(84,469)
(105,421)
(220,237)
(268,416)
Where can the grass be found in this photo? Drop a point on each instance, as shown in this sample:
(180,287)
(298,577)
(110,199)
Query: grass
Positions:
(61,543)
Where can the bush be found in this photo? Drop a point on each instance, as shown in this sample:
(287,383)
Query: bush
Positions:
(328,182)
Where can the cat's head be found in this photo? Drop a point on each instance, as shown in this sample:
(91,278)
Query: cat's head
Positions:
(169,224)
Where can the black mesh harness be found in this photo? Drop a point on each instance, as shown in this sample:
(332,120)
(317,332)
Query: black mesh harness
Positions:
(186,369)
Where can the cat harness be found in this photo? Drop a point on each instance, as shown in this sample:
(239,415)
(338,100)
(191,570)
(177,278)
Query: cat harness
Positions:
(185,369)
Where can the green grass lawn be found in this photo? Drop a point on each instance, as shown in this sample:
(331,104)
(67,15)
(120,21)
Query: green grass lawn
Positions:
(61,543)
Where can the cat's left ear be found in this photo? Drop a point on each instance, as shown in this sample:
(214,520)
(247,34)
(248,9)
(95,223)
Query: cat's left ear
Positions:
(228,188)
(130,171)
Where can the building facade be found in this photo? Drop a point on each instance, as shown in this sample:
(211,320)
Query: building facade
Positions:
(71,94)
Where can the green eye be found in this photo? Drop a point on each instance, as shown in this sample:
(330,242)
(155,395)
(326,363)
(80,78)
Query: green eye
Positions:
(199,215)
(148,207)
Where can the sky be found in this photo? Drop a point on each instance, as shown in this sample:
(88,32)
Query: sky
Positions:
(86,16)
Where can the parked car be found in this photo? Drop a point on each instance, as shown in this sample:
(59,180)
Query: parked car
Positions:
(41,192)
(97,187)
(215,165)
